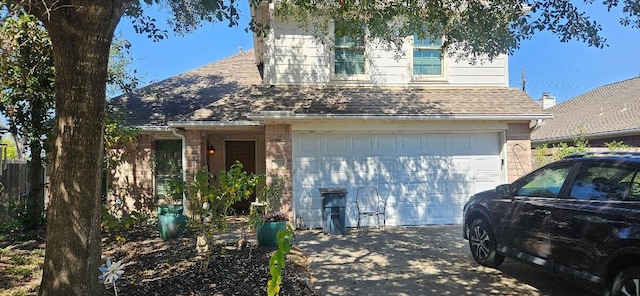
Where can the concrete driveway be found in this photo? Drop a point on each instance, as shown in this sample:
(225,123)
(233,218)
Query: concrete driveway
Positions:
(417,260)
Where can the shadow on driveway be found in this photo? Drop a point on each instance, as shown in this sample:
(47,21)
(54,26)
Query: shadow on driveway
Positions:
(417,260)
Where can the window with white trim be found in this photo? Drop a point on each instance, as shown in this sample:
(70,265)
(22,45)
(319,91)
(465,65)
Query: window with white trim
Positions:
(426,57)
(348,55)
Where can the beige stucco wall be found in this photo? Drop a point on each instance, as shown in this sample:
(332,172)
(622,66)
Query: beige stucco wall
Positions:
(518,150)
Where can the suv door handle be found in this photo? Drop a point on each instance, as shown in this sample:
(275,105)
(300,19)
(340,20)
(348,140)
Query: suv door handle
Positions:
(542,212)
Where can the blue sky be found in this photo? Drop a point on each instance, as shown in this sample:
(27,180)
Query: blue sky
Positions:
(565,70)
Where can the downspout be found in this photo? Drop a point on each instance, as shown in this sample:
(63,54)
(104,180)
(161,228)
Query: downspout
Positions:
(272,37)
(184,158)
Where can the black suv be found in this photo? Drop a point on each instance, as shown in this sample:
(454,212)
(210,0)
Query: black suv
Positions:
(577,217)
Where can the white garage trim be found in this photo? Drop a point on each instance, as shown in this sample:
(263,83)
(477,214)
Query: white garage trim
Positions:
(425,177)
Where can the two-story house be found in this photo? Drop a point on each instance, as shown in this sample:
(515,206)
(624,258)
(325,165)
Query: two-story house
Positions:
(426,130)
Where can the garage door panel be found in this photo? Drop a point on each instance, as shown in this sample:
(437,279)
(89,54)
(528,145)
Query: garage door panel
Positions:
(425,178)
(387,143)
(488,143)
(461,143)
(312,203)
(311,145)
(435,142)
(337,145)
(362,144)
(412,143)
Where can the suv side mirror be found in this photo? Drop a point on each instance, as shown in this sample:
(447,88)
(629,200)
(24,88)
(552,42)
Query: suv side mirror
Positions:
(503,190)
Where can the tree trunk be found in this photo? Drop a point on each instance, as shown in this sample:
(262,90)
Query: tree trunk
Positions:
(81,33)
(35,196)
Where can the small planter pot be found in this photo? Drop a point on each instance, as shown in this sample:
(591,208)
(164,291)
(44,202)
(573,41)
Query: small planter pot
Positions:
(268,233)
(171,221)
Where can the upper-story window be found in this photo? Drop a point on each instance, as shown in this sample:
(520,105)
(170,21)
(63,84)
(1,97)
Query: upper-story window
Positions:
(348,55)
(427,62)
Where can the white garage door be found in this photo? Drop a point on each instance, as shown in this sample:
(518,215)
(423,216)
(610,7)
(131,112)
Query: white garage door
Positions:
(425,178)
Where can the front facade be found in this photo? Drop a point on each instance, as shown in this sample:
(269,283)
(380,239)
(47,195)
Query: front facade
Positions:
(427,132)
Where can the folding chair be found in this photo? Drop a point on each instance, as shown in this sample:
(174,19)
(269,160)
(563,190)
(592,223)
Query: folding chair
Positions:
(369,204)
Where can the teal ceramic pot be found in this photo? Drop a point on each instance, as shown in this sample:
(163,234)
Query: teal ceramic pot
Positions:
(171,224)
(268,233)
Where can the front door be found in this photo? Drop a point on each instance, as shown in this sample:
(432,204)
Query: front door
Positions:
(245,152)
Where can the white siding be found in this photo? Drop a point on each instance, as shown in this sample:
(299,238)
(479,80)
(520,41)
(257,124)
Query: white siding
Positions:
(296,58)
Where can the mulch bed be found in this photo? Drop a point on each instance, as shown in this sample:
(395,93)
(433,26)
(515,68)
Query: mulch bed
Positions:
(173,267)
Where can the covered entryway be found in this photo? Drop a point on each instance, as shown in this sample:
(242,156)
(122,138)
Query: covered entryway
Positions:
(245,152)
(426,178)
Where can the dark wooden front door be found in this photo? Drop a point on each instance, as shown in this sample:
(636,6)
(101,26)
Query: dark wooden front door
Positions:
(245,152)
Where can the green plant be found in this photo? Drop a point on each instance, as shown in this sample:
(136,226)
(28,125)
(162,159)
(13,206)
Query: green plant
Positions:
(616,146)
(19,260)
(20,271)
(580,144)
(540,155)
(112,223)
(210,203)
(269,201)
(176,189)
(278,260)
(20,292)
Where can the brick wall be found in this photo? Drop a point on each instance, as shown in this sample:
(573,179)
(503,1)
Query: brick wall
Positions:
(130,178)
(278,158)
(518,150)
(194,150)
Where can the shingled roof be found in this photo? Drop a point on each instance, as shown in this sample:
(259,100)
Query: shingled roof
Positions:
(231,90)
(610,110)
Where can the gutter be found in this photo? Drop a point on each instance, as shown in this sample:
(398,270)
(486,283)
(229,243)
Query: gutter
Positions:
(200,125)
(599,135)
(154,128)
(211,124)
(291,116)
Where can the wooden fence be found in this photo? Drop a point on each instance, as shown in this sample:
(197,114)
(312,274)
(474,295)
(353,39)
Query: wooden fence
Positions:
(13,186)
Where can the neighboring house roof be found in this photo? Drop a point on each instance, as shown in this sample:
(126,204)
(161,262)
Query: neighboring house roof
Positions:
(231,90)
(610,110)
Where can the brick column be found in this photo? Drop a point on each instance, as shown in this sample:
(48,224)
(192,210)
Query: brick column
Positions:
(518,150)
(194,151)
(278,157)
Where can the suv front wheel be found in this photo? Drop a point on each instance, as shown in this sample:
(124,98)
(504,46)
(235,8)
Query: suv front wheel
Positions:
(627,282)
(483,244)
